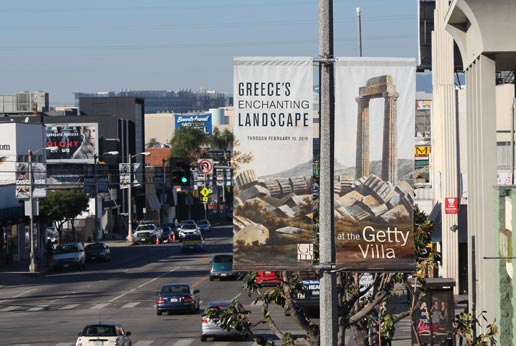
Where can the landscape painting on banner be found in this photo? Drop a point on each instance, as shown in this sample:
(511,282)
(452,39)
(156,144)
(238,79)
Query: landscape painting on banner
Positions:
(374,164)
(273,153)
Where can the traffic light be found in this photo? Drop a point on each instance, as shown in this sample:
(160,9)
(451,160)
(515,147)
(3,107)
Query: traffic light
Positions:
(180,171)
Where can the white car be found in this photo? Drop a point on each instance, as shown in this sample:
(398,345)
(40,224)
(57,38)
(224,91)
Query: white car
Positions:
(105,334)
(188,229)
(68,255)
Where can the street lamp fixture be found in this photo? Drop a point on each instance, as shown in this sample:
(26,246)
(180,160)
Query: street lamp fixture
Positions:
(129,196)
(95,161)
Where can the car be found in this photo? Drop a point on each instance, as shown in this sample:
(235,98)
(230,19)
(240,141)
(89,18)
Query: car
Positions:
(308,300)
(97,252)
(192,242)
(188,229)
(221,267)
(68,255)
(210,327)
(186,222)
(268,278)
(204,225)
(147,233)
(170,232)
(105,334)
(177,297)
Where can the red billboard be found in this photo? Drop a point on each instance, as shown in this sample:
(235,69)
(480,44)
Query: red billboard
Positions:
(72,142)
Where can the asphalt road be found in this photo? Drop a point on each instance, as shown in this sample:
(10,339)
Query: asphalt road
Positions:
(50,310)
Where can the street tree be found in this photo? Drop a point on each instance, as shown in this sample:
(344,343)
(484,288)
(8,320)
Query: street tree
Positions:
(63,206)
(189,142)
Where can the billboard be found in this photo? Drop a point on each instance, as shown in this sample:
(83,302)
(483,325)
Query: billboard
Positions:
(374,164)
(72,143)
(201,121)
(273,131)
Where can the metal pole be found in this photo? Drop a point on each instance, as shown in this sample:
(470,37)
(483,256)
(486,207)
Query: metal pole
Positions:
(328,306)
(96,231)
(130,202)
(359,23)
(32,266)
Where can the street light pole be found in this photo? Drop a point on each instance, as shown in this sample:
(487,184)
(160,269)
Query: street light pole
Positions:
(32,266)
(130,196)
(95,161)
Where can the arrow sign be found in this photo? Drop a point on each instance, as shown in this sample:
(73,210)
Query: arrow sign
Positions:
(205,166)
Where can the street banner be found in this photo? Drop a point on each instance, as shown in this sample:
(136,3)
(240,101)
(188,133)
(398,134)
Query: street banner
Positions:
(374,164)
(273,154)
(124,173)
(23,180)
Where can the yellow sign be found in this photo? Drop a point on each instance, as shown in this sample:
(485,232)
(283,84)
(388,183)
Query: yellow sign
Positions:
(205,191)
(204,199)
(422,150)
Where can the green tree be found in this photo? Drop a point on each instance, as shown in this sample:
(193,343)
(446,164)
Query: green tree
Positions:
(189,142)
(63,206)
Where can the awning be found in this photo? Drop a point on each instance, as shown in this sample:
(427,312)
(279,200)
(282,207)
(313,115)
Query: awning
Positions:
(152,202)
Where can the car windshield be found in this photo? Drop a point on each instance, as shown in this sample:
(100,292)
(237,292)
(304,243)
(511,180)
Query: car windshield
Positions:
(99,330)
(145,227)
(66,249)
(176,289)
(223,259)
(189,226)
(94,246)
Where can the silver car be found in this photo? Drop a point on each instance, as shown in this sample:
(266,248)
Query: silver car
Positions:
(211,328)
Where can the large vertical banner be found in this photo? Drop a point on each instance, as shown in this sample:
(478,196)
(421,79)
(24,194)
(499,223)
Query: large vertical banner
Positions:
(374,163)
(273,153)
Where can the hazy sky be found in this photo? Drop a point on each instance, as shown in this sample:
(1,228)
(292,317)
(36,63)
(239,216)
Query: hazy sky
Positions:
(66,46)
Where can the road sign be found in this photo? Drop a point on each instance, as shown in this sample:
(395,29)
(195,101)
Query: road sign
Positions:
(204,199)
(205,191)
(205,166)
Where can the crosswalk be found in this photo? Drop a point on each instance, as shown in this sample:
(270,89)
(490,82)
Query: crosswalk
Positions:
(74,306)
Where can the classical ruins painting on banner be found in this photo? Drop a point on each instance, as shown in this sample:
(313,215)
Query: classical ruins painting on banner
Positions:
(273,152)
(374,164)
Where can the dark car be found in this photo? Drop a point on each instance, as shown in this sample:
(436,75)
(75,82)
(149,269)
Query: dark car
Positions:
(170,232)
(221,267)
(97,252)
(177,297)
(308,300)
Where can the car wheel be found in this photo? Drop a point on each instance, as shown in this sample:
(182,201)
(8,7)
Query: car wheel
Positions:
(203,338)
(211,278)
(158,312)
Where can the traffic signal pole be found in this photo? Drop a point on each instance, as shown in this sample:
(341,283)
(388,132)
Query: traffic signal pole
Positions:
(328,296)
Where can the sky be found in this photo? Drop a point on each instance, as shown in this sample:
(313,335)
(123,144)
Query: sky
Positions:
(63,46)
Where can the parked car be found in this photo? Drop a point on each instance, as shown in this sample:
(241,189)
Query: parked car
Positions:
(221,267)
(268,278)
(168,234)
(188,229)
(177,297)
(147,233)
(210,327)
(192,242)
(68,255)
(105,334)
(204,225)
(98,252)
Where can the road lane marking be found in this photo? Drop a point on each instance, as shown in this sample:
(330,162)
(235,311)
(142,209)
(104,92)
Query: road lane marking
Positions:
(38,308)
(69,307)
(18,295)
(184,342)
(99,306)
(143,343)
(130,305)
(11,308)
(143,284)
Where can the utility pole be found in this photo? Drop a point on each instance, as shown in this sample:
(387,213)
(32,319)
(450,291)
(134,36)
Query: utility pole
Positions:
(359,23)
(328,297)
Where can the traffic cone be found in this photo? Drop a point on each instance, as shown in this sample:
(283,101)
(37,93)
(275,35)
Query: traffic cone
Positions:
(157,241)
(173,236)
